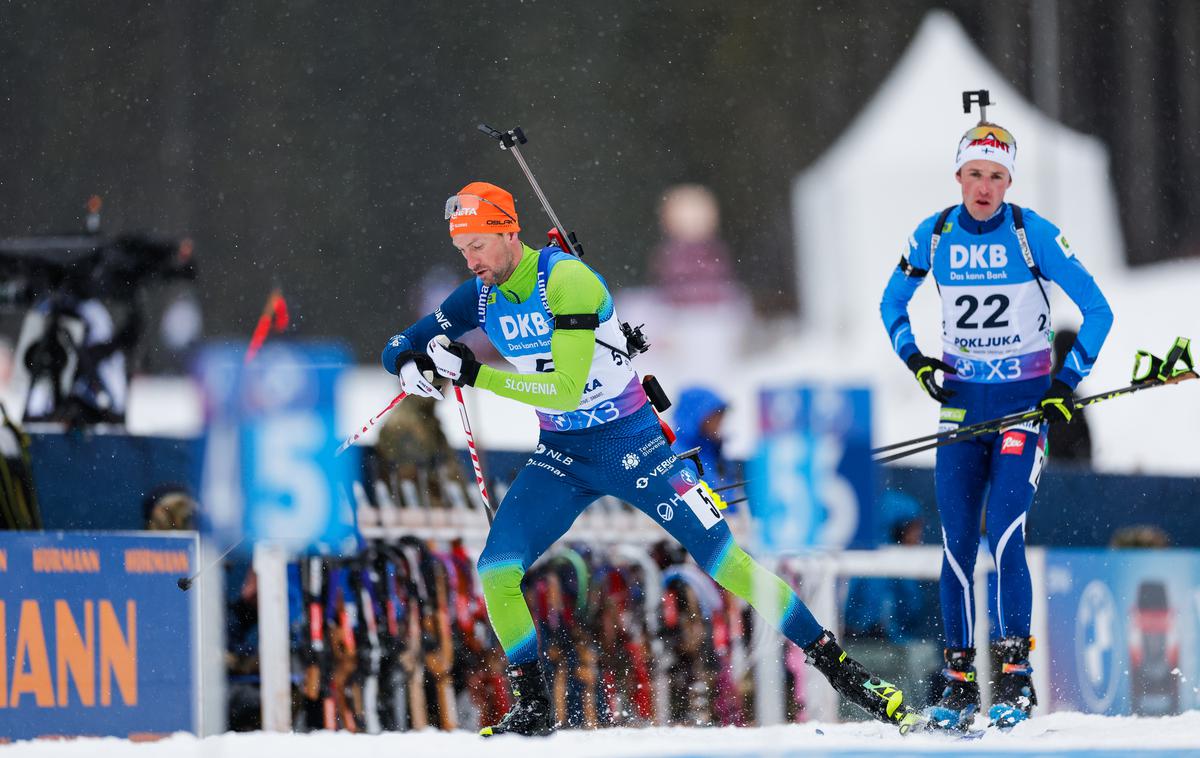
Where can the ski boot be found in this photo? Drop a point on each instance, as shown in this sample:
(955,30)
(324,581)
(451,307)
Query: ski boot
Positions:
(960,700)
(849,679)
(1013,697)
(531,715)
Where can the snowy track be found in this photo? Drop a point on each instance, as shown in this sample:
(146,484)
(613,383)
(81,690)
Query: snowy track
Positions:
(1055,734)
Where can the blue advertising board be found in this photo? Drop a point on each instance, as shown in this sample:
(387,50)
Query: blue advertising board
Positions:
(95,636)
(1123,630)
(269,466)
(812,482)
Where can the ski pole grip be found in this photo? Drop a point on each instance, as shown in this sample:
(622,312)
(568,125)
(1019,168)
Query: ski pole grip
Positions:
(1145,367)
(1179,350)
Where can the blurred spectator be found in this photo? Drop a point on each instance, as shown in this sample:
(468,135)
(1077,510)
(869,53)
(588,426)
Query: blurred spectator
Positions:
(698,417)
(691,289)
(416,460)
(169,508)
(180,329)
(897,610)
(241,649)
(1069,443)
(692,265)
(18,496)
(1140,536)
(666,554)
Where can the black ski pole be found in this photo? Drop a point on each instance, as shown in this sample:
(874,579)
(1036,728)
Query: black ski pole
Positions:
(963,431)
(735,485)
(1007,422)
(1156,373)
(998,426)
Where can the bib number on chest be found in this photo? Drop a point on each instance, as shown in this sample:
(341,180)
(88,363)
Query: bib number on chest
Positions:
(994,308)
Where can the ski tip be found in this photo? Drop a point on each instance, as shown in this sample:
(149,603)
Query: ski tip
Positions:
(485,732)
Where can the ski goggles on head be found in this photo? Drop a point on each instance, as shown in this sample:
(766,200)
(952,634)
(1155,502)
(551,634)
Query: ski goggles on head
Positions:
(990,134)
(468,205)
(987,142)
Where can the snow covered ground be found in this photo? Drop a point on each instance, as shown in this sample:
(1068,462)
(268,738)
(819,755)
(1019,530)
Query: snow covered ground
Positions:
(1054,734)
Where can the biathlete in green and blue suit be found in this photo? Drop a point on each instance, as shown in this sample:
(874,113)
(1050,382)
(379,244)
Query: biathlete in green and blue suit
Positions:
(552,317)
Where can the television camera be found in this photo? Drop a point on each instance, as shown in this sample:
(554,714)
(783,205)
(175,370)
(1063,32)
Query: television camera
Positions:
(66,284)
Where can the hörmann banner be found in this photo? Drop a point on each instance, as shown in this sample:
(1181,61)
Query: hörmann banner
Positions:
(95,636)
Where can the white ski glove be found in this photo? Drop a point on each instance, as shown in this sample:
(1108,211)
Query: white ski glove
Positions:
(453,360)
(417,381)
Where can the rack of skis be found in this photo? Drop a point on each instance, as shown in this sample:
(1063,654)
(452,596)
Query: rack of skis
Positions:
(397,638)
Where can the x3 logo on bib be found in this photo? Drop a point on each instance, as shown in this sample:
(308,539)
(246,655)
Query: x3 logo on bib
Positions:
(1004,368)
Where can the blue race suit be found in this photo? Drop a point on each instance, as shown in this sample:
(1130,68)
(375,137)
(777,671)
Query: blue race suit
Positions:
(996,332)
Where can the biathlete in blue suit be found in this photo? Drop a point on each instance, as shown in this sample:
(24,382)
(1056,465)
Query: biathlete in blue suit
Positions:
(994,265)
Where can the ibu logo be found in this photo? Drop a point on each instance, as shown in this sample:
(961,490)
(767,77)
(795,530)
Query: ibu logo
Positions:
(524,325)
(978,256)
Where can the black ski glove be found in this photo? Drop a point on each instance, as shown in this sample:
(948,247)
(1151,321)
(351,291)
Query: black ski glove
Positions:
(923,367)
(1058,404)
(454,360)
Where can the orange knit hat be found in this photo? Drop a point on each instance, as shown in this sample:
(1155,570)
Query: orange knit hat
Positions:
(482,208)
